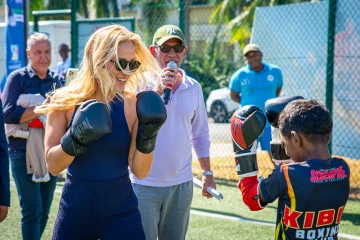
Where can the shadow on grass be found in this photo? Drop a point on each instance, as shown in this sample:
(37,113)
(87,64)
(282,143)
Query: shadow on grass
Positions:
(355,194)
(351,217)
(231,215)
(270,206)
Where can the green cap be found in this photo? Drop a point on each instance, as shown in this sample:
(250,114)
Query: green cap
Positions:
(251,47)
(167,32)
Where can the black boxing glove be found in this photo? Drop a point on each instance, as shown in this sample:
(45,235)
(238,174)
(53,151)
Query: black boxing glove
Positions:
(247,124)
(151,113)
(91,121)
(246,163)
(273,108)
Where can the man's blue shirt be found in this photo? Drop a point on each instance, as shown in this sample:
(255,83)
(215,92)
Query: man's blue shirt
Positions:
(256,87)
(24,81)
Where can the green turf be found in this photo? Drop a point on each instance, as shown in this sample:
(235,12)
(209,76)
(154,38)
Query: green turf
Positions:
(232,205)
(212,228)
(200,227)
(10,227)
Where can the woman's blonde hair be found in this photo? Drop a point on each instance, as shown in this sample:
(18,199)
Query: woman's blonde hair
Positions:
(101,47)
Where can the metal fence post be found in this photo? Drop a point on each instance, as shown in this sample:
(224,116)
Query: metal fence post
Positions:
(36,23)
(74,33)
(182,16)
(330,58)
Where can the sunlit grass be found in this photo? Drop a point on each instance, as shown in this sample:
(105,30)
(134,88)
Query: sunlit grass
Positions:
(201,227)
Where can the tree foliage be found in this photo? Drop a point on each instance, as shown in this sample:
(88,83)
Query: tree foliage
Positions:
(101,8)
(106,8)
(153,15)
(82,6)
(35,5)
(238,15)
(212,69)
(56,4)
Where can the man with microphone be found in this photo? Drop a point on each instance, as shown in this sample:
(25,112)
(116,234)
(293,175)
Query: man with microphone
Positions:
(165,195)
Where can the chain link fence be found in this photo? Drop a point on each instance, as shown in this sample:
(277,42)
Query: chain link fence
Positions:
(318,54)
(346,100)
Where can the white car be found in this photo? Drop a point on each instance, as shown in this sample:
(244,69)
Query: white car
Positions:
(219,105)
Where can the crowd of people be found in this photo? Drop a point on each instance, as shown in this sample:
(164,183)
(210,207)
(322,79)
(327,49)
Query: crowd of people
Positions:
(128,155)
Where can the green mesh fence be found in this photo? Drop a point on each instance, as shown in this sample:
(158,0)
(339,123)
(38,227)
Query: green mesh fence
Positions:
(318,61)
(346,110)
(87,27)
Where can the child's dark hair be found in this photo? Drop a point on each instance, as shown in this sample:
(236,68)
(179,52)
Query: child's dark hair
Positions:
(308,118)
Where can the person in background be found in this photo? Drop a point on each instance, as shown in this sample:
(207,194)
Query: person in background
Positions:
(4,170)
(98,127)
(165,195)
(254,84)
(62,66)
(35,80)
(187,70)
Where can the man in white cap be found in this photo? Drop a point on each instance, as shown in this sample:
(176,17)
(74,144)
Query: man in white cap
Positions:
(165,195)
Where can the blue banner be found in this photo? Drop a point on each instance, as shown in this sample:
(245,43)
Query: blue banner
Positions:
(15,40)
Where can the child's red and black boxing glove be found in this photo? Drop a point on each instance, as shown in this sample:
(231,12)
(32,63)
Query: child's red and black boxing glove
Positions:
(247,124)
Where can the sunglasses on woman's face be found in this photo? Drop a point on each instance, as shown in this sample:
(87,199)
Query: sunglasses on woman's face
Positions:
(166,48)
(133,64)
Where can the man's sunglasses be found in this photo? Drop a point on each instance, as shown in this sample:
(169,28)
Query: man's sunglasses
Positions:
(133,64)
(166,48)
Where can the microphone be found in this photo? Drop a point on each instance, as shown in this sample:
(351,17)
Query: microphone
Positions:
(167,91)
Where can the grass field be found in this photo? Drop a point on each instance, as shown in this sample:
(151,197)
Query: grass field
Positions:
(201,227)
(232,205)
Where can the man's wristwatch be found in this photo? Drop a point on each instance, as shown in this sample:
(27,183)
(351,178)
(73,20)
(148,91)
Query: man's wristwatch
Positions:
(207,173)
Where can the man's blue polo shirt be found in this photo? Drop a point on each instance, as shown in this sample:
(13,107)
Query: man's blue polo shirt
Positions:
(256,87)
(24,81)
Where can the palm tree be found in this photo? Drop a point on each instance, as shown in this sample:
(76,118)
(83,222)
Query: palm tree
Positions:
(56,4)
(83,8)
(34,6)
(154,14)
(106,8)
(238,15)
(102,8)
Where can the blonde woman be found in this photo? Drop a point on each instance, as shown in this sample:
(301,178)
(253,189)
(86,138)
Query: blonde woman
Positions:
(98,127)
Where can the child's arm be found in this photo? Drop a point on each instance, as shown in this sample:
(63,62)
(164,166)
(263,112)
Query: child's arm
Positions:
(247,123)
(251,193)
(258,193)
